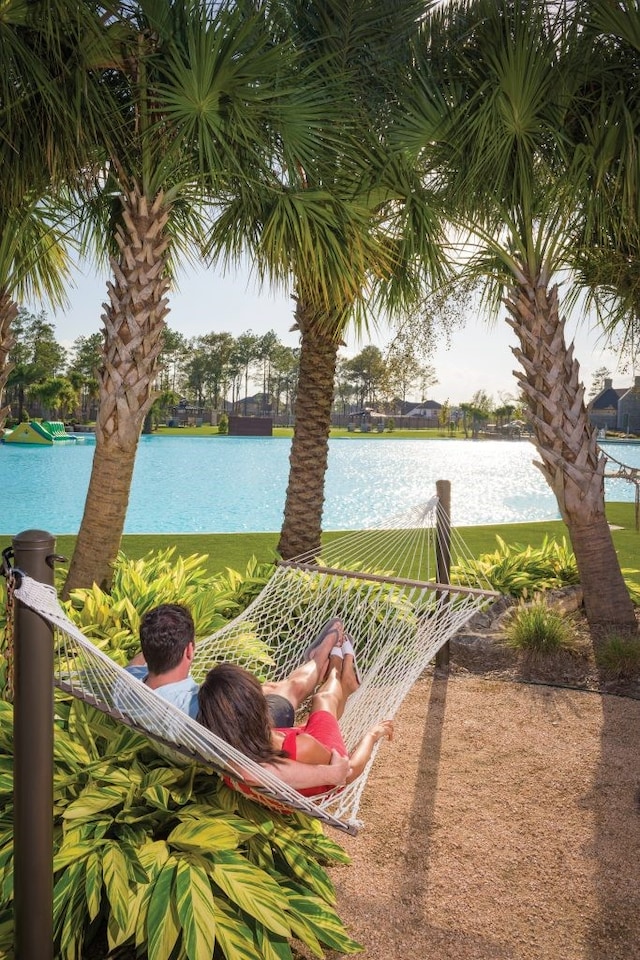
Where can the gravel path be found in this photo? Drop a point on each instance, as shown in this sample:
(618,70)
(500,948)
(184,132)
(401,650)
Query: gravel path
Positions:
(503,823)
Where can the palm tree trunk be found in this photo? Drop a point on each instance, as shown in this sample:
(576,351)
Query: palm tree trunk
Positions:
(134,319)
(302,525)
(566,442)
(8,313)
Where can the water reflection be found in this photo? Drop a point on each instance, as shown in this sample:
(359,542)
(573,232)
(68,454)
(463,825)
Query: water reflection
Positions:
(232,484)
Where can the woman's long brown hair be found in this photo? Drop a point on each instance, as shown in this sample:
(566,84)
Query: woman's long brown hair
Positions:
(232,705)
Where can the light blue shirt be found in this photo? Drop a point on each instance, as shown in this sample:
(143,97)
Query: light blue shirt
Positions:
(183,693)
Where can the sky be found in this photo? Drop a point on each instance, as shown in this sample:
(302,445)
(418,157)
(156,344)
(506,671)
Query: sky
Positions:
(478,357)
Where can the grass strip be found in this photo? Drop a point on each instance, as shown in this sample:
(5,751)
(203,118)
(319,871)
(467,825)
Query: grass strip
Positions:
(234,550)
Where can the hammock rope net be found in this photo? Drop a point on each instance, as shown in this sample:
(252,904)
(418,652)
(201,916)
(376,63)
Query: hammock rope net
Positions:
(380,582)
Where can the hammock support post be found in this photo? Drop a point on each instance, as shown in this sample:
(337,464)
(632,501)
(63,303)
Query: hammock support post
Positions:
(33,551)
(443,553)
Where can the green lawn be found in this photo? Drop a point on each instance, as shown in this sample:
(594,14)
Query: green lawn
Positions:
(235,549)
(426,433)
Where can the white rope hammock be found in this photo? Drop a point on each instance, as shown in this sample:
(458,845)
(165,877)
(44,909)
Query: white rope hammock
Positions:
(396,613)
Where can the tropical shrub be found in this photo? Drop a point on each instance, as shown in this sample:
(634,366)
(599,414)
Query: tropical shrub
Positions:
(223,424)
(160,856)
(166,858)
(112,620)
(518,570)
(536,628)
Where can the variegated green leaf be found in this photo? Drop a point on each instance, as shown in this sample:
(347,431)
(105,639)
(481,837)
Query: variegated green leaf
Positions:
(163,925)
(233,934)
(153,856)
(260,852)
(71,852)
(93,884)
(73,927)
(6,889)
(211,834)
(194,902)
(116,881)
(325,925)
(64,891)
(251,889)
(93,800)
(157,795)
(7,939)
(318,843)
(69,751)
(306,869)
(272,947)
(303,931)
(243,828)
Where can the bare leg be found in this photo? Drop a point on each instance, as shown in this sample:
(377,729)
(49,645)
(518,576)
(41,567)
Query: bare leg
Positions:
(304,679)
(332,695)
(349,679)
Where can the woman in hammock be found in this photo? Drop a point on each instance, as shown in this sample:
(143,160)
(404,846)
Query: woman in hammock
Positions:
(232,705)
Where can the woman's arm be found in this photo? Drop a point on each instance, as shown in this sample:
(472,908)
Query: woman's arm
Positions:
(300,775)
(362,753)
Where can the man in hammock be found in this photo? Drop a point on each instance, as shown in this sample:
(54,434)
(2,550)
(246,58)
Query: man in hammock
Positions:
(167,638)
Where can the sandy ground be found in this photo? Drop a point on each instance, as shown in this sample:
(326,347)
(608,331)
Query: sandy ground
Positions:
(503,823)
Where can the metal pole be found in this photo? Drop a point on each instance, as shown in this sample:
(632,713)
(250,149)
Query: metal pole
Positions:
(33,551)
(443,553)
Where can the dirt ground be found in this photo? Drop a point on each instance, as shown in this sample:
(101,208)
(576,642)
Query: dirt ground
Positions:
(503,823)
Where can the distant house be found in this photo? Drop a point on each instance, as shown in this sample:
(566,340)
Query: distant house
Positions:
(259,405)
(429,409)
(629,409)
(616,408)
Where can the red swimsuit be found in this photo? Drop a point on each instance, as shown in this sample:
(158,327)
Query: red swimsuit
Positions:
(323,726)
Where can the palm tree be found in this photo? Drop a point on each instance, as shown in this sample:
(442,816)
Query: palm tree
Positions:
(491,128)
(197,88)
(33,263)
(326,221)
(44,50)
(607,128)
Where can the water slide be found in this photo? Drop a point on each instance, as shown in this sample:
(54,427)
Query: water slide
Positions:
(47,433)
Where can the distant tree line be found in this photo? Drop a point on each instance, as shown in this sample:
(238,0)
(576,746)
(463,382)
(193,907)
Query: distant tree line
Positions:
(213,371)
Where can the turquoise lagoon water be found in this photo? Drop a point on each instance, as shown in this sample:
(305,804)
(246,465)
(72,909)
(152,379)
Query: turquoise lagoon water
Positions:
(235,484)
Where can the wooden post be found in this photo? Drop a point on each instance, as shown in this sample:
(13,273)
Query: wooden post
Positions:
(33,551)
(443,554)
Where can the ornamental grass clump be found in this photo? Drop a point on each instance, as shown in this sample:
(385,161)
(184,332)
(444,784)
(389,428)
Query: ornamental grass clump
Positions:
(618,658)
(537,629)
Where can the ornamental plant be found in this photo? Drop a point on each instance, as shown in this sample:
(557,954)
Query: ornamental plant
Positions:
(112,619)
(156,855)
(537,629)
(517,570)
(164,858)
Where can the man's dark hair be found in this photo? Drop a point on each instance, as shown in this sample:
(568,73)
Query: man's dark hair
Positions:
(165,633)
